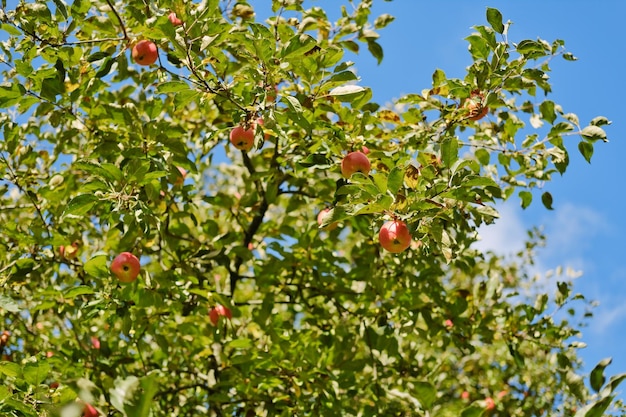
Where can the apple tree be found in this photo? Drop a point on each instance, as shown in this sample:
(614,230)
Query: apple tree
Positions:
(180,234)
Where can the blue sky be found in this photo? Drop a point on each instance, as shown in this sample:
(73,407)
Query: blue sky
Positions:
(586,229)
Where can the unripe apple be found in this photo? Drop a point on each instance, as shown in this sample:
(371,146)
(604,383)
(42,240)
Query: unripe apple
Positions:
(145,52)
(394,236)
(355,162)
(242,138)
(90,411)
(125,267)
(174,20)
(218,311)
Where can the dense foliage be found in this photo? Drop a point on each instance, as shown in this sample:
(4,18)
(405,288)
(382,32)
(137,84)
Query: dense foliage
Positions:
(244,304)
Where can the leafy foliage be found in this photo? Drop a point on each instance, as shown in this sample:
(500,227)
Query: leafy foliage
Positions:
(106,156)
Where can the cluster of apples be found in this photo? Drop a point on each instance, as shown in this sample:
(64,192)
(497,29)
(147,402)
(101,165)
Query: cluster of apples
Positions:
(394,235)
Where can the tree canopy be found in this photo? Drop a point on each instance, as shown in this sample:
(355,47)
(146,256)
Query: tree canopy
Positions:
(203,212)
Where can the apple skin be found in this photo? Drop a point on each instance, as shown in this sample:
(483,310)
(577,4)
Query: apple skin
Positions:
(355,162)
(490,404)
(475,106)
(181,178)
(320,219)
(261,122)
(90,411)
(394,236)
(174,20)
(241,138)
(69,252)
(217,311)
(145,52)
(125,267)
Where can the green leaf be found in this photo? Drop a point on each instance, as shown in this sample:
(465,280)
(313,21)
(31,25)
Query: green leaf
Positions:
(240,344)
(547,111)
(594,133)
(77,291)
(449,151)
(586,149)
(81,205)
(472,411)
(596,379)
(172,87)
(105,68)
(494,17)
(426,393)
(97,266)
(337,79)
(375,49)
(483,156)
(595,409)
(61,8)
(526,197)
(10,96)
(600,121)
(8,304)
(97,56)
(347,92)
(395,179)
(36,372)
(298,46)
(12,30)
(546,199)
(613,383)
(10,369)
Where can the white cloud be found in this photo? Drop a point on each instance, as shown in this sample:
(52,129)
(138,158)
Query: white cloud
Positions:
(608,318)
(571,229)
(507,235)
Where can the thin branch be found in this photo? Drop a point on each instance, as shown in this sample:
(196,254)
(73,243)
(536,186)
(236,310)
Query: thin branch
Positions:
(119,19)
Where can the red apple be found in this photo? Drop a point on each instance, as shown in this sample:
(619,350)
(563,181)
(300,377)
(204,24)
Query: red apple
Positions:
(365,149)
(95,342)
(145,52)
(489,403)
(465,395)
(174,20)
(217,311)
(394,236)
(320,219)
(69,252)
(54,385)
(90,411)
(242,138)
(271,93)
(475,106)
(448,323)
(261,123)
(180,179)
(355,162)
(125,267)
